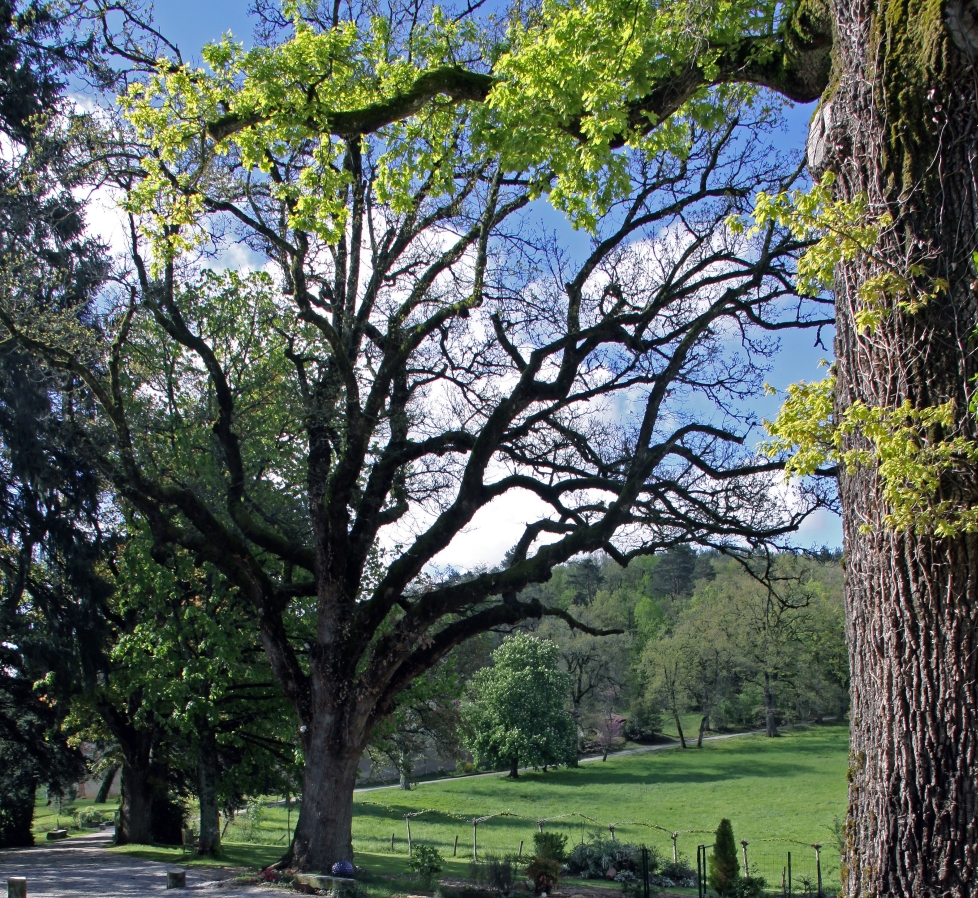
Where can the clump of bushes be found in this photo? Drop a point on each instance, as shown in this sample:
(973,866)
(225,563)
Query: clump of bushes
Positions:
(494,871)
(552,846)
(544,867)
(594,859)
(749,887)
(676,873)
(426,863)
(545,873)
(86,818)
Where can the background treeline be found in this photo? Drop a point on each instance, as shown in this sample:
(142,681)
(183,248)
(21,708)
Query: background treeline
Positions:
(707,641)
(741,643)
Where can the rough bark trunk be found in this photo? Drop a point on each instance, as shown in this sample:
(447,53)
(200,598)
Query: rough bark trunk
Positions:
(514,769)
(900,126)
(323,832)
(770,707)
(136,802)
(207,774)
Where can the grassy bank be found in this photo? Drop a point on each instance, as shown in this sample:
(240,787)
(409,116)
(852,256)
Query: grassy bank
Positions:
(781,795)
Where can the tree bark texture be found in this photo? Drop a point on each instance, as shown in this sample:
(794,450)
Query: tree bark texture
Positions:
(207,775)
(899,125)
(136,801)
(323,832)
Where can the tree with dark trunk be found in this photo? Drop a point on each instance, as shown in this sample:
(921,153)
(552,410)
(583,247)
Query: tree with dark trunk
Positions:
(136,792)
(183,683)
(51,540)
(209,839)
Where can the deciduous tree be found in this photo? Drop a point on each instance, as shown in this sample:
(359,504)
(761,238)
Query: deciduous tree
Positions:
(421,351)
(516,716)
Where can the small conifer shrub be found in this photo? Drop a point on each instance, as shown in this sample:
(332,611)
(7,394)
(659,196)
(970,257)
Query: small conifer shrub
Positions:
(724,869)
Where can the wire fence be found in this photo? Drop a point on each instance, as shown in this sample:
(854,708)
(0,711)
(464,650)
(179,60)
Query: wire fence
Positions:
(789,866)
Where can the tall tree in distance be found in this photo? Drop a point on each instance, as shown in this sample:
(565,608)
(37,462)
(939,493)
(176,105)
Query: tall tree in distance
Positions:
(516,715)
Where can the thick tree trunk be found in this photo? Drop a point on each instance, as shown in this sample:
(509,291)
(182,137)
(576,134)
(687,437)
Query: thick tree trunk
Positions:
(900,126)
(324,830)
(136,804)
(514,769)
(770,707)
(17,808)
(207,775)
(404,768)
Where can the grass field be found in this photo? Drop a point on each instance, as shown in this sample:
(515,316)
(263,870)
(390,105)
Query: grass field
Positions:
(777,792)
(781,795)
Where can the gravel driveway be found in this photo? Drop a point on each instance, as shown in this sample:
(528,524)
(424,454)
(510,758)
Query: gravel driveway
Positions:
(82,867)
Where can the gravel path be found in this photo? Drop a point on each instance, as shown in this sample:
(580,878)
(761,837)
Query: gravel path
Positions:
(82,868)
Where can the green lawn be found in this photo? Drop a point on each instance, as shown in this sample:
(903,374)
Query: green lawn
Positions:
(777,792)
(781,795)
(47,816)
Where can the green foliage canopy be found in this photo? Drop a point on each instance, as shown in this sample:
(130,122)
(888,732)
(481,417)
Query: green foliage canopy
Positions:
(516,716)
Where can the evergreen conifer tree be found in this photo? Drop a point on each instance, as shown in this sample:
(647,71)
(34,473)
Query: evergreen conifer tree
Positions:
(724,867)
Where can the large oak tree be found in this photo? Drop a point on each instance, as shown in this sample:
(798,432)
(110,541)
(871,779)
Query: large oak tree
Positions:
(422,348)
(896,125)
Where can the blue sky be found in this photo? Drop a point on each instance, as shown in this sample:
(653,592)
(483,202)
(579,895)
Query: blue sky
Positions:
(192,23)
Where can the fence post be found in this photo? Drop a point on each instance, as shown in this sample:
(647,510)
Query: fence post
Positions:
(701,870)
(645,872)
(475,842)
(407,820)
(540,825)
(789,874)
(743,843)
(521,849)
(675,853)
(784,881)
(818,866)
(455,849)
(611,829)
(392,843)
